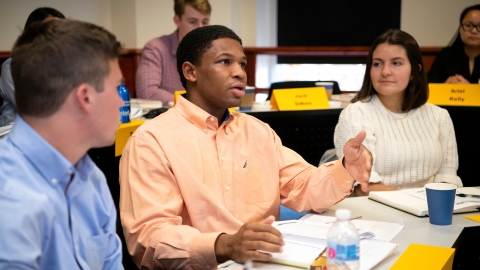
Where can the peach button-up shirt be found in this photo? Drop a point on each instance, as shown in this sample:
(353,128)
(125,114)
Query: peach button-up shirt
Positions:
(184,180)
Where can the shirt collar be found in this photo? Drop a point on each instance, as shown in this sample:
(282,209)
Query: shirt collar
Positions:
(52,165)
(198,116)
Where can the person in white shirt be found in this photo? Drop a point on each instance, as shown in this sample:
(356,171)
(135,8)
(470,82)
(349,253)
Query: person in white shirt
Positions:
(412,142)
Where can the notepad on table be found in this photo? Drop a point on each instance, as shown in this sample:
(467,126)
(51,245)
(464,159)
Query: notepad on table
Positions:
(305,240)
(414,200)
(372,252)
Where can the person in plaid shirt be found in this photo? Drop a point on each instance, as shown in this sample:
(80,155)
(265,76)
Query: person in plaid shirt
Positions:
(157,77)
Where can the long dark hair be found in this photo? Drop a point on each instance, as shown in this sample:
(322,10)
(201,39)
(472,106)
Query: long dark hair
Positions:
(416,93)
(458,43)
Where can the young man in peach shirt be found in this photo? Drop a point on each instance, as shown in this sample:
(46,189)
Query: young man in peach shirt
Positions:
(200,186)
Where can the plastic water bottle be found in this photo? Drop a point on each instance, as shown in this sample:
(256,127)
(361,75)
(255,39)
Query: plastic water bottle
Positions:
(343,243)
(125,109)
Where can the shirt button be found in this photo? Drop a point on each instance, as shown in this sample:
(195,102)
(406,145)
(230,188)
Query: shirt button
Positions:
(69,172)
(205,130)
(227,188)
(223,158)
(54,181)
(212,119)
(76,248)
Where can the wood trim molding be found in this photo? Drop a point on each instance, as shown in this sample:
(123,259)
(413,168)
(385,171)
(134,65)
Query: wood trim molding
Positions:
(130,59)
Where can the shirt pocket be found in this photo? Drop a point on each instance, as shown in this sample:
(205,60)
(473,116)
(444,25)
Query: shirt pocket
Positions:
(96,250)
(256,188)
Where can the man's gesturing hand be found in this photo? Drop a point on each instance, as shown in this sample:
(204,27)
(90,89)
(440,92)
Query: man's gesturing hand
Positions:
(358,160)
(251,237)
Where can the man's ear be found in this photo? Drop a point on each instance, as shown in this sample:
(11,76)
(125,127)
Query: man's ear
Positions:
(84,98)
(189,71)
(176,20)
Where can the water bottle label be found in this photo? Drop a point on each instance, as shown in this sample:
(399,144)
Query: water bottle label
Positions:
(125,114)
(125,111)
(338,252)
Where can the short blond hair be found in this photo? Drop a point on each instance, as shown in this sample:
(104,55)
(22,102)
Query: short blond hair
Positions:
(201,5)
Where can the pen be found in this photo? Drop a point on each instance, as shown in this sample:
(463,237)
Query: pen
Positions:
(468,195)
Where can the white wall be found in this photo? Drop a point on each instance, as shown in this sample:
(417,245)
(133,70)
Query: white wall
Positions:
(14,14)
(155,17)
(124,22)
(432,22)
(134,22)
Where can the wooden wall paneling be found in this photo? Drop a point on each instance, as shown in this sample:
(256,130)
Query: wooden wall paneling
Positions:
(129,61)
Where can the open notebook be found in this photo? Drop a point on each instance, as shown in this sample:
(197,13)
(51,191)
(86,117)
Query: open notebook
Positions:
(372,252)
(414,201)
(306,239)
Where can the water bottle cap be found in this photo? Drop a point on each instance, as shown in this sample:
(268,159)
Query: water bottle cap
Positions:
(343,214)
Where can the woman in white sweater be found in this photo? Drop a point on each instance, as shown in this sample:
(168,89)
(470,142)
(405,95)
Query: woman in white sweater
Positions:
(412,143)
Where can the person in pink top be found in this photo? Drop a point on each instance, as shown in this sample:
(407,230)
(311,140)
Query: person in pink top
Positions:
(200,185)
(157,77)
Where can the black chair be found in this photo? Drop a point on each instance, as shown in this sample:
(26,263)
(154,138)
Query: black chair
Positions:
(300,84)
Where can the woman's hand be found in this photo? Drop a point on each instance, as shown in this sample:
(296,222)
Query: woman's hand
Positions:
(457,79)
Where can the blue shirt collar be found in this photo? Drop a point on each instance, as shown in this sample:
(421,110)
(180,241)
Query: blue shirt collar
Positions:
(52,165)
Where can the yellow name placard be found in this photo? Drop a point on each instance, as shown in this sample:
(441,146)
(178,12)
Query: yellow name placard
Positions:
(124,132)
(298,99)
(454,94)
(425,257)
(176,94)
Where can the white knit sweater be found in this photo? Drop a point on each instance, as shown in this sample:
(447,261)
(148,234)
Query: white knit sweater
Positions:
(409,152)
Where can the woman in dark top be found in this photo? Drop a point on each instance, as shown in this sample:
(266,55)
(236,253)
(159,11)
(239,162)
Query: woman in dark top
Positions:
(460,62)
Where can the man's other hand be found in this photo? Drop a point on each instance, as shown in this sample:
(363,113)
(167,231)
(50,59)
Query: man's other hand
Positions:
(244,245)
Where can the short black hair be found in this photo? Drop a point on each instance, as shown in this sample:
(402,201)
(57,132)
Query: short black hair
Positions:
(416,93)
(197,42)
(41,14)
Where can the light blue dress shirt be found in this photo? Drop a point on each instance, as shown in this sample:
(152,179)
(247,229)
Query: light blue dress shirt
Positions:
(41,227)
(8,110)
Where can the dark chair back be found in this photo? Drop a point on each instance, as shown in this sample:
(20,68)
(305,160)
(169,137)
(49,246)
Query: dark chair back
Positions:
(300,84)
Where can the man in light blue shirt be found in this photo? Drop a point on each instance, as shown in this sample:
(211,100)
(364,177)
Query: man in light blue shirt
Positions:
(56,211)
